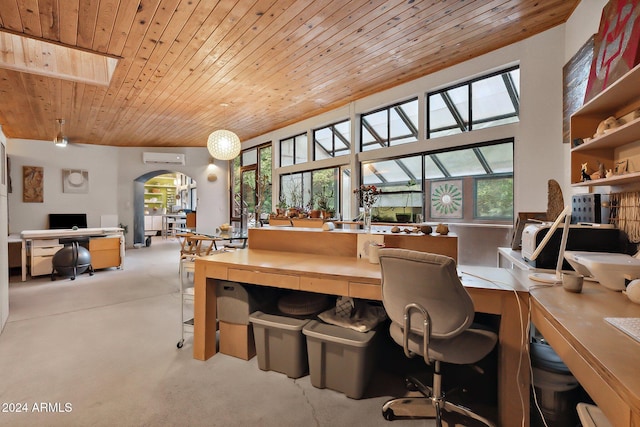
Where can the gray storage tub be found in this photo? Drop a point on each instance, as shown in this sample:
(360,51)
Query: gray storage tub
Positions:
(340,359)
(280,345)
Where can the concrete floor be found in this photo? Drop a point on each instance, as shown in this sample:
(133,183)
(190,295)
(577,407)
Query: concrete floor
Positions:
(101,350)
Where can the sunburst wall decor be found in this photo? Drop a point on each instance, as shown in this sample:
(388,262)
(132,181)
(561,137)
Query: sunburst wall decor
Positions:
(446,199)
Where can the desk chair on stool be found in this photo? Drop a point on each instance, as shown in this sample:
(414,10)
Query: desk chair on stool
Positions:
(431,315)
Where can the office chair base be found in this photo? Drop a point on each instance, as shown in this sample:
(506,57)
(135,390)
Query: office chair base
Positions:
(427,408)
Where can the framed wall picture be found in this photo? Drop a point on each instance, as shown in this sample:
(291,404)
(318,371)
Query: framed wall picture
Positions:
(575,75)
(446,199)
(32,184)
(75,181)
(617,45)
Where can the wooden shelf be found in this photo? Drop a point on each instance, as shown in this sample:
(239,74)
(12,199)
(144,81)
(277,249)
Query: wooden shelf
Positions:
(620,99)
(623,91)
(615,138)
(627,178)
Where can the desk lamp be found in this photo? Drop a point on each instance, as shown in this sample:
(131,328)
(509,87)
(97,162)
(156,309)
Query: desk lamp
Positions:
(557,276)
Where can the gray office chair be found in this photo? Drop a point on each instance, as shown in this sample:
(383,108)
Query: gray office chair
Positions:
(431,314)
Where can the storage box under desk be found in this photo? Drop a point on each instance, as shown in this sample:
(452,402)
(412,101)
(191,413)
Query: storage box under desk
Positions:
(237,340)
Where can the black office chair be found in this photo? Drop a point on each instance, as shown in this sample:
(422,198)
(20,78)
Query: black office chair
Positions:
(431,315)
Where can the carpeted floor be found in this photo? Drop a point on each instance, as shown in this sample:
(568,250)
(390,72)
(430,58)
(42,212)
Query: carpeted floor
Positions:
(101,350)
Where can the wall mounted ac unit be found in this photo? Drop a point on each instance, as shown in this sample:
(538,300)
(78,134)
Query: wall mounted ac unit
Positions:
(163,158)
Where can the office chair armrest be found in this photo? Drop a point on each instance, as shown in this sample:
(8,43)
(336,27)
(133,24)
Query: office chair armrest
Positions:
(426,330)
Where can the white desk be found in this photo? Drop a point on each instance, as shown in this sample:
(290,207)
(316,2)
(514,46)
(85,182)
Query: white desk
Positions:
(509,258)
(28,236)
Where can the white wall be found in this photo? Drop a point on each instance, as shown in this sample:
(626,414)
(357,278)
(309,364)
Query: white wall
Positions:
(112,171)
(213,197)
(100,162)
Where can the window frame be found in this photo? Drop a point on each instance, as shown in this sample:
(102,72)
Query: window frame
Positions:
(334,135)
(469,125)
(294,141)
(388,142)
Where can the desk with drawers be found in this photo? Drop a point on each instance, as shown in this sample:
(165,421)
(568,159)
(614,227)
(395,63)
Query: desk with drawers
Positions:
(106,246)
(499,293)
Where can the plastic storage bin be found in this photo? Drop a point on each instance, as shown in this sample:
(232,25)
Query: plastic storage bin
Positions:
(280,344)
(340,359)
(234,303)
(556,388)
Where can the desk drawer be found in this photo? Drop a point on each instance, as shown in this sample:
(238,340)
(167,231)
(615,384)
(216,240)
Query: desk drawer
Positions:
(104,243)
(44,242)
(261,278)
(41,265)
(45,250)
(324,286)
(365,291)
(105,259)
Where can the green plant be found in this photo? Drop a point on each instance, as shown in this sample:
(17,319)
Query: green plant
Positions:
(282,202)
(322,198)
(410,184)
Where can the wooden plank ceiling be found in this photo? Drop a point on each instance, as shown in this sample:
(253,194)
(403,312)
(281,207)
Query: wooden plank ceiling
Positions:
(274,62)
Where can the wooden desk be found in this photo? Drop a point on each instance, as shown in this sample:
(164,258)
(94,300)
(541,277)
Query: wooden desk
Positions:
(350,276)
(106,259)
(603,359)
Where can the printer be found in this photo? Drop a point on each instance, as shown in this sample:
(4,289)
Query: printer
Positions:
(581,237)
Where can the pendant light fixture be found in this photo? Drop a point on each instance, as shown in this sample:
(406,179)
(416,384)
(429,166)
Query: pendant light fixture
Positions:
(223,144)
(60,140)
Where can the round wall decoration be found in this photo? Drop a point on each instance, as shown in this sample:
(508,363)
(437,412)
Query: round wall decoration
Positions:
(446,199)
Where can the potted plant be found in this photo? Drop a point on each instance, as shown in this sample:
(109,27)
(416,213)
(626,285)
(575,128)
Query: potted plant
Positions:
(281,209)
(322,202)
(406,216)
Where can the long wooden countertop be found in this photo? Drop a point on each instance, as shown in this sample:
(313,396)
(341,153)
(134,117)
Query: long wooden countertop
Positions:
(493,290)
(603,359)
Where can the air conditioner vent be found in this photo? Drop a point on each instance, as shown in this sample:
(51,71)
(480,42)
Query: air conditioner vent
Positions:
(163,158)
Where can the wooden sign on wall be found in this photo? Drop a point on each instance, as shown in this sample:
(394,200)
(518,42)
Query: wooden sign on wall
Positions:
(616,49)
(32,184)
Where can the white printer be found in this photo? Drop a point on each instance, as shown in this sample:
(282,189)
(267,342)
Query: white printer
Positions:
(582,237)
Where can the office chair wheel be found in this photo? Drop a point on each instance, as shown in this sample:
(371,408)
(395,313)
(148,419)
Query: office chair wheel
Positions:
(180,343)
(388,414)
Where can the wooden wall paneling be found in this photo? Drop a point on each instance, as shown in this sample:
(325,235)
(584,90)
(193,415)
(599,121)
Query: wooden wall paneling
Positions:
(192,54)
(296,61)
(287,59)
(30,17)
(10,15)
(103,105)
(87,18)
(122,26)
(68,21)
(222,39)
(173,69)
(253,44)
(138,95)
(160,19)
(105,22)
(48,9)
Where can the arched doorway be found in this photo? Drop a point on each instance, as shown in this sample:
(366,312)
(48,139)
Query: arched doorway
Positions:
(141,206)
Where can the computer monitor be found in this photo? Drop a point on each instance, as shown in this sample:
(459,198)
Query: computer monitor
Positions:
(67,221)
